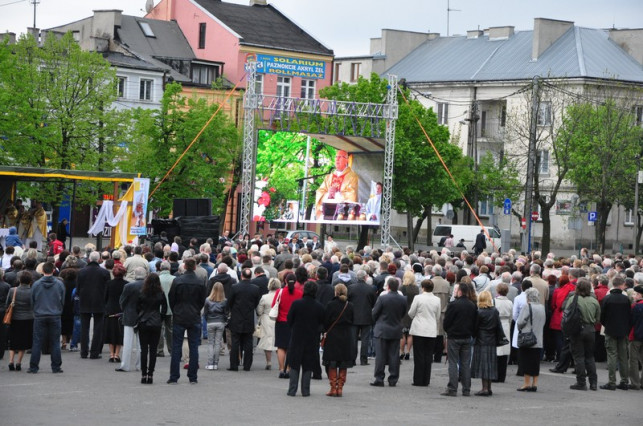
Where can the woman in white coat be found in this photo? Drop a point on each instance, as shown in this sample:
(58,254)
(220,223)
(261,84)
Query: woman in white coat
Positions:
(425,312)
(505,309)
(267,326)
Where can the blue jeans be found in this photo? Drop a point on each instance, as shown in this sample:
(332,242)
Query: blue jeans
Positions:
(75,334)
(46,329)
(459,354)
(215,341)
(194,337)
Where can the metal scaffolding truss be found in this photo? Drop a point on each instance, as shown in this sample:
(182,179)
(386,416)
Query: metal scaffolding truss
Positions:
(354,118)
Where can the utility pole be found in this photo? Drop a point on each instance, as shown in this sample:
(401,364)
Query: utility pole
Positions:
(531,162)
(35,3)
(449,10)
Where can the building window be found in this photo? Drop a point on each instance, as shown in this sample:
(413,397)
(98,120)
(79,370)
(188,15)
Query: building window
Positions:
(122,83)
(147,30)
(336,76)
(202,35)
(355,70)
(503,115)
(259,84)
(283,87)
(307,89)
(629,218)
(638,115)
(204,74)
(544,114)
(485,207)
(543,162)
(443,113)
(145,93)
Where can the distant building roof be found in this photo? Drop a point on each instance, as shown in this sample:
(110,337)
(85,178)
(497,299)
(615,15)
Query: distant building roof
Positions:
(126,61)
(264,26)
(579,52)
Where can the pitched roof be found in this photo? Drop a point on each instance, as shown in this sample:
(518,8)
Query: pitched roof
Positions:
(264,26)
(580,52)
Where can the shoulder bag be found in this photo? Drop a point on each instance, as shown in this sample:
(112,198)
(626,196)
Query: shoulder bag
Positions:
(572,322)
(323,340)
(528,339)
(7,315)
(274,311)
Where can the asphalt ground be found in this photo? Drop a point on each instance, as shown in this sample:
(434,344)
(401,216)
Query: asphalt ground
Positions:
(91,392)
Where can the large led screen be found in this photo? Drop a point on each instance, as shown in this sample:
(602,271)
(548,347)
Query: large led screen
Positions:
(301,179)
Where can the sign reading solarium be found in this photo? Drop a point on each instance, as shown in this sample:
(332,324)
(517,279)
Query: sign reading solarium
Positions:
(286,66)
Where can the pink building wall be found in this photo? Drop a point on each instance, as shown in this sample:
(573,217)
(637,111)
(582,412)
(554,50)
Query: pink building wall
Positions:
(222,45)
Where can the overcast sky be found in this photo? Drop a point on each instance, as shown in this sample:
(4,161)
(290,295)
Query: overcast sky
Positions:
(347,25)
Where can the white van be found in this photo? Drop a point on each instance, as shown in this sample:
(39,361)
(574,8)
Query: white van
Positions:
(468,233)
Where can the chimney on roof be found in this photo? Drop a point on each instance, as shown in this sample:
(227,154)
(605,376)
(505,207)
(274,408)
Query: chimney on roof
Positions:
(10,36)
(500,33)
(105,22)
(546,32)
(474,33)
(35,32)
(259,2)
(629,40)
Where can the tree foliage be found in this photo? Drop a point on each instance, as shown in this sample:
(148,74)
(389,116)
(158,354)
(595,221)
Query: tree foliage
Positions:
(157,138)
(604,146)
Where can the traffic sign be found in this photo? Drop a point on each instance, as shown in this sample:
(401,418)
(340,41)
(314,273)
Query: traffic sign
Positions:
(534,216)
(507,207)
(592,216)
(523,223)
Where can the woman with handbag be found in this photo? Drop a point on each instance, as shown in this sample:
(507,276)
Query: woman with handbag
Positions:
(284,298)
(530,324)
(488,332)
(151,307)
(338,340)
(21,328)
(215,312)
(425,312)
(266,325)
(505,309)
(113,312)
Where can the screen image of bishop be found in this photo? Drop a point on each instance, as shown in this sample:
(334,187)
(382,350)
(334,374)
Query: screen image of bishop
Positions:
(340,186)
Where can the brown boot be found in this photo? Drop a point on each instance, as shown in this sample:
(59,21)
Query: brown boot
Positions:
(332,379)
(341,381)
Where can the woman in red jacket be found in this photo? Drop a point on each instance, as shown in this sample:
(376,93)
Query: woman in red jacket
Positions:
(557,301)
(288,294)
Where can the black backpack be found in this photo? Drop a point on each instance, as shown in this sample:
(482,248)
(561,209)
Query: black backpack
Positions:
(572,323)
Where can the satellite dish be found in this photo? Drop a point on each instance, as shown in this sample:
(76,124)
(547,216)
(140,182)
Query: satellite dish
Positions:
(149,5)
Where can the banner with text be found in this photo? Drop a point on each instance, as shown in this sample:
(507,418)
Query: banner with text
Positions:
(295,67)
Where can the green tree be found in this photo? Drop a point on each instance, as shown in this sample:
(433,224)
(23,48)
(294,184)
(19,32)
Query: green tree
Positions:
(157,138)
(603,150)
(55,111)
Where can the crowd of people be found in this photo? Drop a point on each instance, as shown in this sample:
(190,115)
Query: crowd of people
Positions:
(482,311)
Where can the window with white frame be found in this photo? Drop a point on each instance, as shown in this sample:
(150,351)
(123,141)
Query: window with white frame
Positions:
(485,207)
(307,89)
(355,70)
(283,87)
(628,220)
(543,162)
(544,114)
(145,93)
(443,113)
(122,85)
(259,84)
(638,115)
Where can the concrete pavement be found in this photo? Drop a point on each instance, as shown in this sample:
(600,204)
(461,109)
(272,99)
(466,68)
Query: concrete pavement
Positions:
(90,391)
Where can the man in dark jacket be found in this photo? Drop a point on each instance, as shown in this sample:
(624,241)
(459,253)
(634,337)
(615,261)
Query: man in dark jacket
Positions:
(186,297)
(616,318)
(91,287)
(459,325)
(636,339)
(222,276)
(325,291)
(260,280)
(362,296)
(481,243)
(128,301)
(378,281)
(47,299)
(243,301)
(388,312)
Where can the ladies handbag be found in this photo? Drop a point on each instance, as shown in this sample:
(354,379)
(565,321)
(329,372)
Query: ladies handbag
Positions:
(9,313)
(527,339)
(258,333)
(323,340)
(274,311)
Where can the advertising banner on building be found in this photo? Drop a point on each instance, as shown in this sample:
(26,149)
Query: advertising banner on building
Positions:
(138,222)
(291,67)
